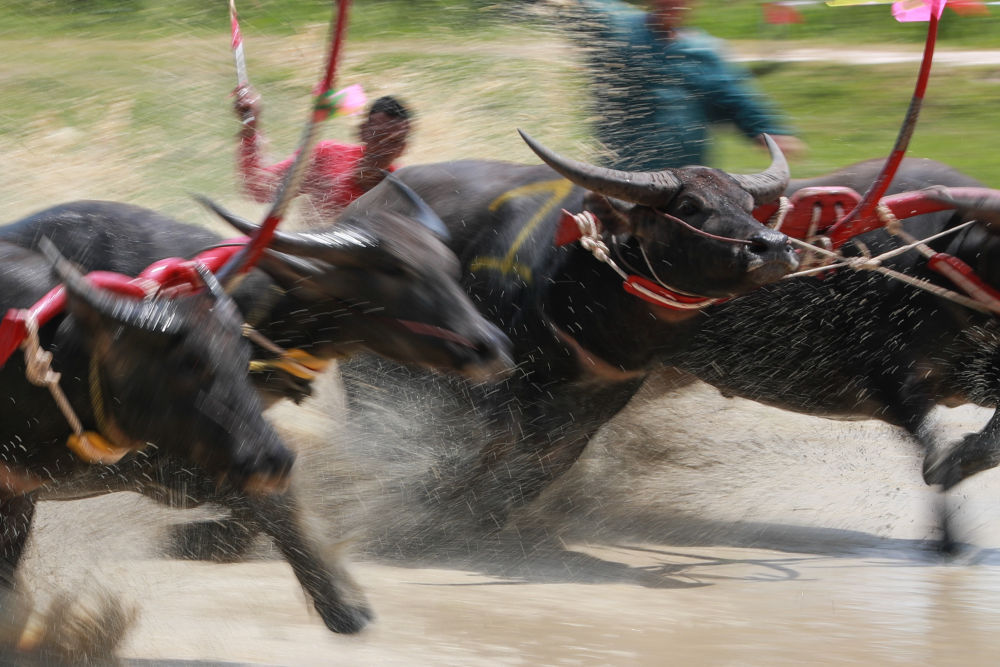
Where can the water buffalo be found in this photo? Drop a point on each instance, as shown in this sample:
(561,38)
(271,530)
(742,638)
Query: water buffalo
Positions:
(382,283)
(141,376)
(863,345)
(582,344)
(848,345)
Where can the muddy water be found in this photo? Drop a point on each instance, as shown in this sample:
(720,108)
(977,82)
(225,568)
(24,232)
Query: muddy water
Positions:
(698,530)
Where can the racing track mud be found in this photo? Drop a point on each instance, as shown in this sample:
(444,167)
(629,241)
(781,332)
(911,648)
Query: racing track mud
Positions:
(699,530)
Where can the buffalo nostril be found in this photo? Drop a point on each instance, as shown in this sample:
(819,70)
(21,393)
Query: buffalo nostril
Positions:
(769,244)
(760,247)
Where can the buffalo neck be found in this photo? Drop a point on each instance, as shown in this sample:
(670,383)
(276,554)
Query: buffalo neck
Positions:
(587,301)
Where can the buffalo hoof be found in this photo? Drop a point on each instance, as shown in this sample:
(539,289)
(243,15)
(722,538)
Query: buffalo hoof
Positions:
(966,459)
(223,541)
(345,619)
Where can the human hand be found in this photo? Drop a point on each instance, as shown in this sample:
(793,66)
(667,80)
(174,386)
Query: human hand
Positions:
(792,147)
(246,104)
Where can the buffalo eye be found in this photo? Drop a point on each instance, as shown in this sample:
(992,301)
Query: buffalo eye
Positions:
(687,207)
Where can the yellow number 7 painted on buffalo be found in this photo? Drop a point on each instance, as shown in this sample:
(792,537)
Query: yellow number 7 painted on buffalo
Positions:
(557,190)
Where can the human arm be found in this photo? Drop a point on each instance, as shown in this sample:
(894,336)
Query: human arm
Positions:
(727,91)
(260,182)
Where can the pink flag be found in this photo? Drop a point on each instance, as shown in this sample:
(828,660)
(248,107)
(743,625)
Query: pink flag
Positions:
(917,10)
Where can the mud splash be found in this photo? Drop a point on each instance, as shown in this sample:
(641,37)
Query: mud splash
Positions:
(699,529)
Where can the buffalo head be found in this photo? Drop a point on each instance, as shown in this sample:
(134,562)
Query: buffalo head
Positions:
(389,285)
(690,228)
(173,373)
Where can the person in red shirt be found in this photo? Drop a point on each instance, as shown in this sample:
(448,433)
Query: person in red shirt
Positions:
(338,173)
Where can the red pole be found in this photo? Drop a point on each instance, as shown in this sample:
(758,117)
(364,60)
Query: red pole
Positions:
(322,109)
(866,207)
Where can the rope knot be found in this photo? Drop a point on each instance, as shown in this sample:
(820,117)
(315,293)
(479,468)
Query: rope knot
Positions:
(37,361)
(590,235)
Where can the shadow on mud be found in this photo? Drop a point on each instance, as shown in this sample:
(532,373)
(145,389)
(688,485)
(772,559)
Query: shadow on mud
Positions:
(667,490)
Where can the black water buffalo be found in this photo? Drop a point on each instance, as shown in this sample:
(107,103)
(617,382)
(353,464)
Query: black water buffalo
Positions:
(150,376)
(582,344)
(849,345)
(864,345)
(383,284)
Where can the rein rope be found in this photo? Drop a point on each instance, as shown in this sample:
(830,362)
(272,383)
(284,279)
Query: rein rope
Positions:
(296,362)
(702,232)
(866,262)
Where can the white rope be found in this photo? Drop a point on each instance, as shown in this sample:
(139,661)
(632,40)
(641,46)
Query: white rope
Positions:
(590,239)
(874,264)
(38,370)
(778,219)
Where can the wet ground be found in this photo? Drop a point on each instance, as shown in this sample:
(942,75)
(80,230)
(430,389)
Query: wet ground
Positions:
(698,530)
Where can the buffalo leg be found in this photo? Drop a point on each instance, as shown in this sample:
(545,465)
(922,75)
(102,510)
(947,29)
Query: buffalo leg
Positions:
(910,403)
(512,472)
(225,540)
(336,597)
(535,443)
(975,453)
(16,514)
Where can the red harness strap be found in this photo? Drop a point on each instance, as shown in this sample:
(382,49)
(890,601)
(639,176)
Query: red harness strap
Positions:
(811,209)
(175,274)
(966,279)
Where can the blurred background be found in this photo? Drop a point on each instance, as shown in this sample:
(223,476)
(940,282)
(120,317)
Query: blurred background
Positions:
(130,100)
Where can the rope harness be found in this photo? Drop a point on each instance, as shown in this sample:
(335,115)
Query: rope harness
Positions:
(818,254)
(658,293)
(90,446)
(978,295)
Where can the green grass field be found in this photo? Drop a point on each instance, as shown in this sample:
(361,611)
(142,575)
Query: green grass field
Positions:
(133,104)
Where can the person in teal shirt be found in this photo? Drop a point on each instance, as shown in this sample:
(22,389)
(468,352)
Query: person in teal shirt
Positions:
(658,87)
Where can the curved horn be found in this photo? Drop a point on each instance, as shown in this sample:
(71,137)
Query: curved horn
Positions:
(342,246)
(290,271)
(425,214)
(646,188)
(771,183)
(224,304)
(156,315)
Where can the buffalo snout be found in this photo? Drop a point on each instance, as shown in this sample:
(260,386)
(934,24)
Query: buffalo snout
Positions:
(490,351)
(770,256)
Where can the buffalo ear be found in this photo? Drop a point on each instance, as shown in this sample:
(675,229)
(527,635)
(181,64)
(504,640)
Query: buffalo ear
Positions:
(613,213)
(425,215)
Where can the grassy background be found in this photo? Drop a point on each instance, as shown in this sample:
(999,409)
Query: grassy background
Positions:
(129,99)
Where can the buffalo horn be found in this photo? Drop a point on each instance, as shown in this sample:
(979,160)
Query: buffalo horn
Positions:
(653,188)
(340,246)
(771,183)
(289,270)
(425,214)
(223,302)
(156,315)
